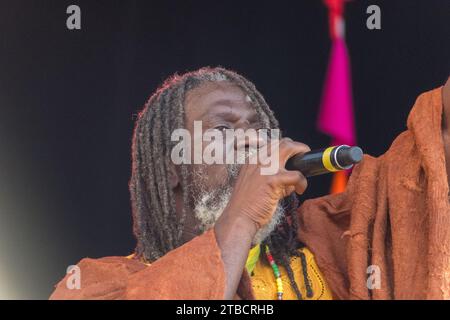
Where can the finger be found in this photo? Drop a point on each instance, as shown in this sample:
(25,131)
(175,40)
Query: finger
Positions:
(263,155)
(249,140)
(287,191)
(293,179)
(288,148)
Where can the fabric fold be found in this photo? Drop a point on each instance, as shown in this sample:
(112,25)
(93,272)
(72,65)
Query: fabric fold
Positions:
(393,217)
(193,271)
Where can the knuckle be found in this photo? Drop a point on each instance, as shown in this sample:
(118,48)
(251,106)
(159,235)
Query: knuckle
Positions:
(304,182)
(300,176)
(285,144)
(286,192)
(302,146)
(272,181)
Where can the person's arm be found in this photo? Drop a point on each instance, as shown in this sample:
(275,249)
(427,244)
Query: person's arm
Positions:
(253,202)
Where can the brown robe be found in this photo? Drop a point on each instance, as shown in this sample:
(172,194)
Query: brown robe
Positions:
(193,271)
(394,214)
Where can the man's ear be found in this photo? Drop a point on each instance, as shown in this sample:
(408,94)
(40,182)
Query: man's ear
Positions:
(174,179)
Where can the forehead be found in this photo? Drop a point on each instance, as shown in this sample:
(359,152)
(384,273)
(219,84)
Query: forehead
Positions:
(213,97)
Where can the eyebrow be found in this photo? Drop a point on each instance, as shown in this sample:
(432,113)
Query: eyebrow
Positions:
(232,117)
(222,114)
(228,113)
(224,102)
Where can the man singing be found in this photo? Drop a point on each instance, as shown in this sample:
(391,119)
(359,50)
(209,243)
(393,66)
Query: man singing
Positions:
(226,231)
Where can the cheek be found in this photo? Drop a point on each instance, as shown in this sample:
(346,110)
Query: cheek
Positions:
(216,175)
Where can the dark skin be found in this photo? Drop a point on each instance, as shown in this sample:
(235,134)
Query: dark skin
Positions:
(221,105)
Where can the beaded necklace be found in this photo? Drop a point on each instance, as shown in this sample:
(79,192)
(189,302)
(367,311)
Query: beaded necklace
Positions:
(276,272)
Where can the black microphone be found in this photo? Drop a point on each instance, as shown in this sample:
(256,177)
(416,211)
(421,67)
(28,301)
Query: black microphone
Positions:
(325,160)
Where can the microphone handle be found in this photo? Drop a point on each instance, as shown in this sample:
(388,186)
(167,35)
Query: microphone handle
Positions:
(325,160)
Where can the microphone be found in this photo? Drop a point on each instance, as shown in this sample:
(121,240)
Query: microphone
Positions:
(325,160)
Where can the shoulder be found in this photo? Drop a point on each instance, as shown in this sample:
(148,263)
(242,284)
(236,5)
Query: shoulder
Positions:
(103,278)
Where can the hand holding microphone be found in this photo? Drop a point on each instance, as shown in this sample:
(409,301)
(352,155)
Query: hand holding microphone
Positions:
(255,196)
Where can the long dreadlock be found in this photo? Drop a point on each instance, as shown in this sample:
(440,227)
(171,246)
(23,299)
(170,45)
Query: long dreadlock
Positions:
(156,225)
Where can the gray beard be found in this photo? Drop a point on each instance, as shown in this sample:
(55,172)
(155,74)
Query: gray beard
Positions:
(209,204)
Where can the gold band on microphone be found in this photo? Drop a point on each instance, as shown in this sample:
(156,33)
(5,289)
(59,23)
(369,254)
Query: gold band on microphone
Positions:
(326,160)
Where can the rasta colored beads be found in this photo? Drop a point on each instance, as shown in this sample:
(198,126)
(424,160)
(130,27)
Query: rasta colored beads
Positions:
(276,272)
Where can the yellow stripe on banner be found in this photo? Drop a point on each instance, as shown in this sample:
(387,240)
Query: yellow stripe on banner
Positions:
(326,160)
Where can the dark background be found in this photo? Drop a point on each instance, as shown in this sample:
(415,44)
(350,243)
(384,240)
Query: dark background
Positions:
(68,100)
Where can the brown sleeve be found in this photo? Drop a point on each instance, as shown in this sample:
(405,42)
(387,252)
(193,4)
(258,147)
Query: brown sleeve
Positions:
(324,224)
(101,279)
(192,271)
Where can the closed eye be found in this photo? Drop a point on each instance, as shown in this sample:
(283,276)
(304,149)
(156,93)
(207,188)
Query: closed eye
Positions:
(221,128)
